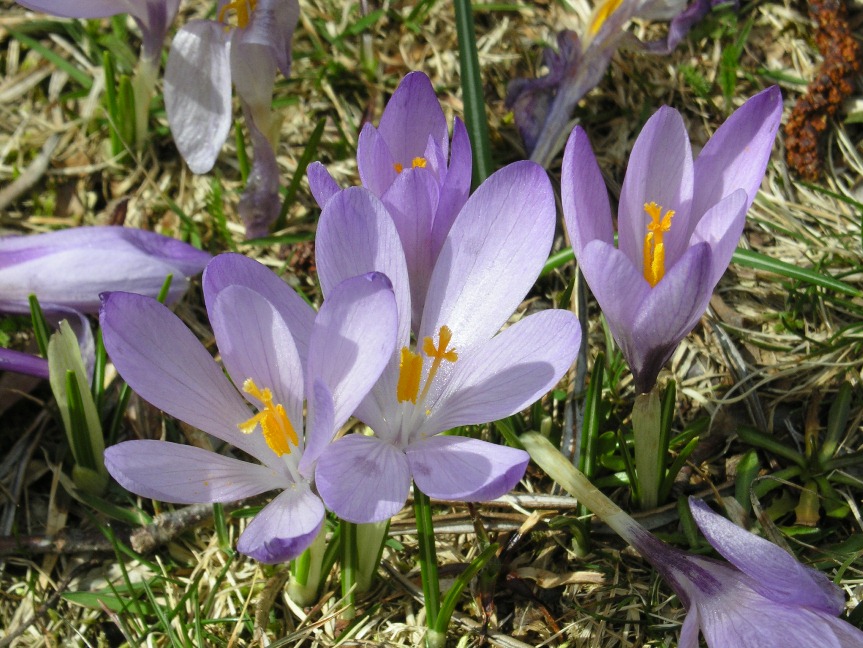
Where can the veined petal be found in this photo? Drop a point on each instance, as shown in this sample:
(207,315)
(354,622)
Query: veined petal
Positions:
(166,365)
(256,343)
(171,472)
(586,210)
(660,170)
(456,185)
(375,163)
(321,183)
(363,479)
(509,372)
(774,573)
(737,154)
(228,270)
(721,228)
(492,255)
(462,469)
(689,631)
(198,92)
(320,427)
(284,527)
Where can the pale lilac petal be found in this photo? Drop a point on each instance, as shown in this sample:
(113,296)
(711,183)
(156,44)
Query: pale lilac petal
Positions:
(412,115)
(255,343)
(285,527)
(363,479)
(171,472)
(166,365)
(321,183)
(228,270)
(586,210)
(78,8)
(509,372)
(253,68)
(24,363)
(375,163)
(721,228)
(456,185)
(462,469)
(689,631)
(774,573)
(198,92)
(737,154)
(660,170)
(492,256)
(320,427)
(353,340)
(272,28)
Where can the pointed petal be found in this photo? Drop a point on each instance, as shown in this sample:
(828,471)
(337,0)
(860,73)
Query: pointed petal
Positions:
(237,270)
(321,183)
(774,573)
(690,629)
(586,210)
(737,154)
(660,170)
(171,472)
(375,163)
(492,256)
(509,372)
(198,92)
(284,527)
(166,365)
(465,470)
(255,343)
(456,185)
(721,228)
(363,479)
(353,340)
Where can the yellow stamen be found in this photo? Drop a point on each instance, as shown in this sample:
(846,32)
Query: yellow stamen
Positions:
(601,14)
(275,425)
(410,372)
(416,163)
(654,246)
(243,10)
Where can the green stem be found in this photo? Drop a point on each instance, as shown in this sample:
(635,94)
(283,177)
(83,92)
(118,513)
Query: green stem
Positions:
(142,88)
(349,566)
(647,431)
(428,566)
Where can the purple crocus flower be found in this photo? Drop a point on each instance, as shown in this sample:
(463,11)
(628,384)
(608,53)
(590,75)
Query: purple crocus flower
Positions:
(68,269)
(408,163)
(206,57)
(279,354)
(678,221)
(461,371)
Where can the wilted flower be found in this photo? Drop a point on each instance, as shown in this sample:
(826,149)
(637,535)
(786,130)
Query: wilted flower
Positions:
(205,57)
(678,225)
(279,354)
(407,163)
(460,370)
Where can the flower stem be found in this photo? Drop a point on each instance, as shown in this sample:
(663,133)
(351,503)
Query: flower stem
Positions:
(349,566)
(647,429)
(143,85)
(428,567)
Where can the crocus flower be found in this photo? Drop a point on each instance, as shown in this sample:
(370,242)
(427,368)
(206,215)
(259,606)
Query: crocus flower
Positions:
(408,163)
(68,269)
(279,354)
(205,57)
(678,222)
(761,598)
(543,107)
(461,371)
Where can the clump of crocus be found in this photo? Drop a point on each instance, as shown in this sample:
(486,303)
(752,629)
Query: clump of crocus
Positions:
(422,179)
(460,370)
(68,269)
(279,354)
(761,598)
(678,225)
(543,107)
(247,43)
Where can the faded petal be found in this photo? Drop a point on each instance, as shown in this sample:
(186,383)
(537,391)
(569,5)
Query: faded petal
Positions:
(198,92)
(363,479)
(260,203)
(284,527)
(171,472)
(462,469)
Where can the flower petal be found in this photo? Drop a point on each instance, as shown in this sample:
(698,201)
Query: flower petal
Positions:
(284,527)
(774,573)
(586,210)
(456,185)
(375,163)
(721,228)
(320,427)
(321,183)
(660,171)
(198,92)
(363,479)
(166,365)
(492,255)
(465,470)
(24,363)
(171,472)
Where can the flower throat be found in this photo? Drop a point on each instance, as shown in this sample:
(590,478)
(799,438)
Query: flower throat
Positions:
(242,10)
(411,366)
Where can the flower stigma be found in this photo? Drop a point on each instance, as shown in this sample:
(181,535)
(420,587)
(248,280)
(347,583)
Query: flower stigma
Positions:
(654,246)
(417,163)
(242,10)
(601,14)
(411,366)
(275,425)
